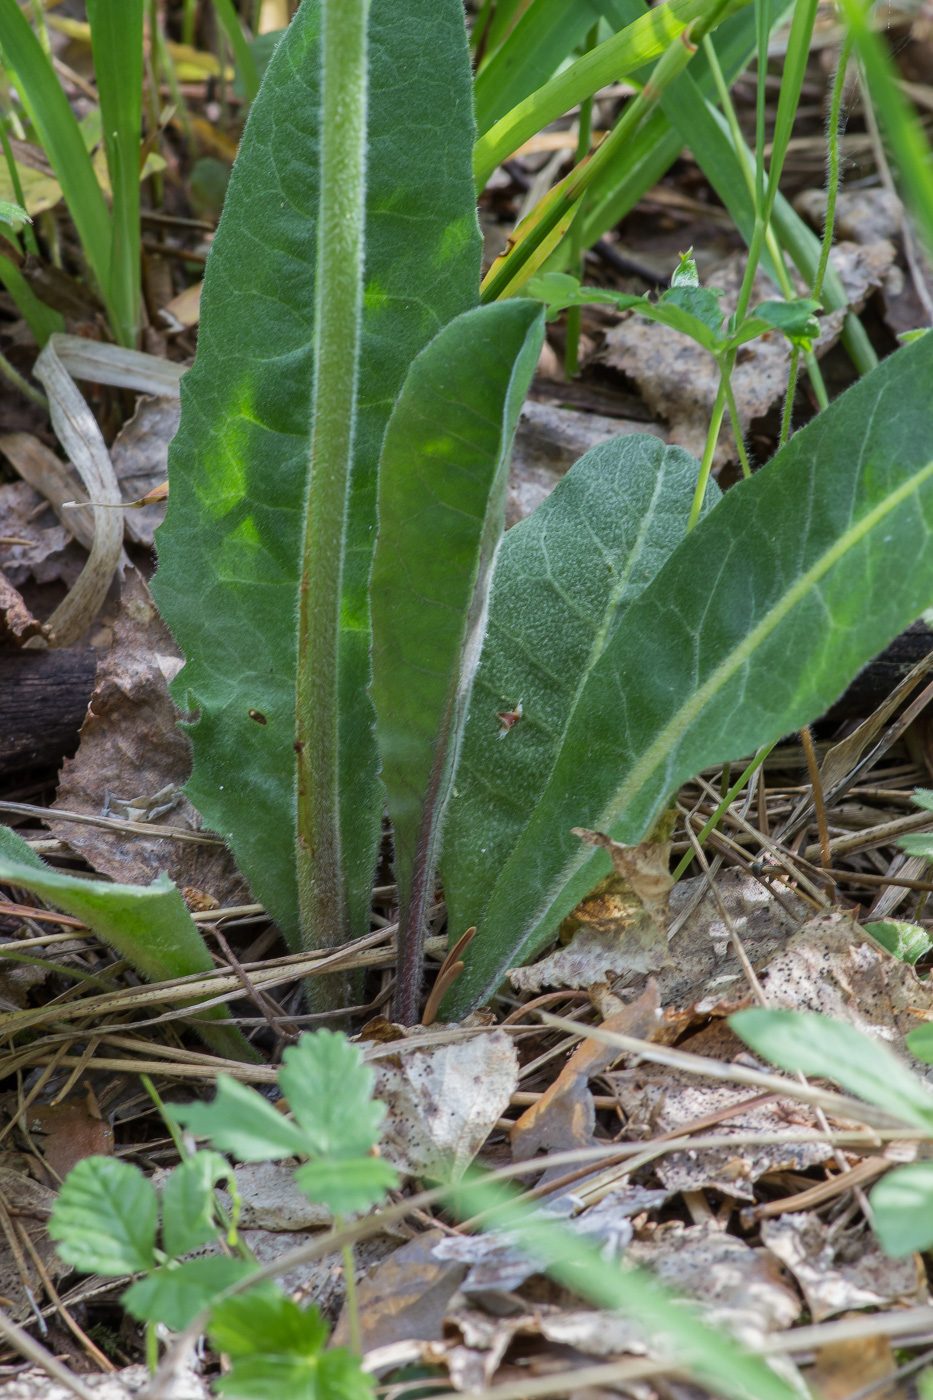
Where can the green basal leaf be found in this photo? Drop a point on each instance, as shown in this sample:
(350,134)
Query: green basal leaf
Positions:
(817,1045)
(240,1121)
(188,1203)
(231,549)
(346,1185)
(564,578)
(442,487)
(105,1217)
(908,942)
(175,1294)
(149,925)
(902,1206)
(746,633)
(329,1091)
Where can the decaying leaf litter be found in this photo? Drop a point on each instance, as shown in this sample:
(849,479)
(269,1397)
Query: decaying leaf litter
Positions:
(748,1197)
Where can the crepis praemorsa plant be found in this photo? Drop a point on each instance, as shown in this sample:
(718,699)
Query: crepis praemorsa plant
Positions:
(333,565)
(333,547)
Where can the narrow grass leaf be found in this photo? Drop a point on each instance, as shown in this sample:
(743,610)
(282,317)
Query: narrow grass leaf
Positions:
(743,635)
(56,127)
(117,44)
(242,54)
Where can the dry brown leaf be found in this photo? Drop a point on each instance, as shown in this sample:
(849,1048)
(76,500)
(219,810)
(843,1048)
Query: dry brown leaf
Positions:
(443,1102)
(621,925)
(404,1297)
(132,749)
(16,621)
(840,1271)
(739,1288)
(864,216)
(140,460)
(705,975)
(49,553)
(845,1368)
(565,1115)
(68,1131)
(29,1204)
(657,1099)
(834,967)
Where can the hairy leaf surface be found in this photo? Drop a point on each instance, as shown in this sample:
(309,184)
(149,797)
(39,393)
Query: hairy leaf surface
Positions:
(441,507)
(754,626)
(564,578)
(230,549)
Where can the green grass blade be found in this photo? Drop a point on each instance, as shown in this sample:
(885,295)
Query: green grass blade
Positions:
(744,635)
(242,54)
(546,34)
(563,581)
(61,139)
(230,551)
(902,127)
(149,925)
(40,319)
(639,43)
(117,43)
(442,478)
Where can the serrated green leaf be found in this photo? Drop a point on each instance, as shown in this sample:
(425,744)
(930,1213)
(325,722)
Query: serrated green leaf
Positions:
(693,304)
(240,1121)
(906,941)
(564,578)
(745,634)
(817,1045)
(902,1205)
(105,1217)
(277,1350)
(174,1295)
(344,1184)
(231,548)
(149,925)
(442,477)
(188,1203)
(329,1091)
(685,273)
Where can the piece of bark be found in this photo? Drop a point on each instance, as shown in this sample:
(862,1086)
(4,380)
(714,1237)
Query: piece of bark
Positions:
(45,698)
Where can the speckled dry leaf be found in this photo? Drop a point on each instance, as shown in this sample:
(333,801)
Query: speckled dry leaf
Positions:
(706,974)
(621,925)
(122,1385)
(443,1102)
(404,1297)
(739,1288)
(270,1200)
(48,553)
(140,460)
(657,1099)
(565,1115)
(131,747)
(838,1271)
(833,967)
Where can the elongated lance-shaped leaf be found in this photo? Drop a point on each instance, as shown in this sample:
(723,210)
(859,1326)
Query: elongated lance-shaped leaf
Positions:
(149,925)
(230,551)
(564,578)
(441,507)
(754,626)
